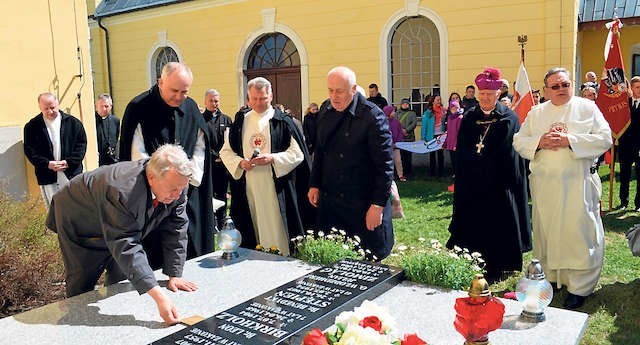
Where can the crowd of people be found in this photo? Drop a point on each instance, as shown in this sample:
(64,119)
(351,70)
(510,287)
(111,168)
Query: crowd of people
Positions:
(150,203)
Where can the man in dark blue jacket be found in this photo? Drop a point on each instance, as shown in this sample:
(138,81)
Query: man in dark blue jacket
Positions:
(353,166)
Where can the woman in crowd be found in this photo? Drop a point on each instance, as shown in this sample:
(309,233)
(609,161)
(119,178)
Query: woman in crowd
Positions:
(396,136)
(454,118)
(432,127)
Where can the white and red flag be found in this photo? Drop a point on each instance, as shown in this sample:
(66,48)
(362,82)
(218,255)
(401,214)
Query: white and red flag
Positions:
(522,96)
(613,99)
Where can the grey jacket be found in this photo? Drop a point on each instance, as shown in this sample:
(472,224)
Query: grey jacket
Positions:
(111,207)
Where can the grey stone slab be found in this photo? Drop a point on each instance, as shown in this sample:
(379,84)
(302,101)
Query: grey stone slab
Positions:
(118,315)
(429,312)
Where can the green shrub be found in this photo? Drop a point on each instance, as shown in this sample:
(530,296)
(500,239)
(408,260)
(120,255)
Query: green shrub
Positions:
(326,249)
(29,254)
(437,266)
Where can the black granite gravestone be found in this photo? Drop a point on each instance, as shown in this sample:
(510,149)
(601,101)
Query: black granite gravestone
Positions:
(284,314)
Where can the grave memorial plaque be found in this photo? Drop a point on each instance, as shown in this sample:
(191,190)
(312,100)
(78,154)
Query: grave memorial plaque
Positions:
(284,314)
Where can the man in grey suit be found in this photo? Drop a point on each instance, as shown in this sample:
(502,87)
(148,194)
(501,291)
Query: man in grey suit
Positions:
(102,216)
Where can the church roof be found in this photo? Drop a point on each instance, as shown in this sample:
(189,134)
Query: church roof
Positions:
(113,7)
(597,10)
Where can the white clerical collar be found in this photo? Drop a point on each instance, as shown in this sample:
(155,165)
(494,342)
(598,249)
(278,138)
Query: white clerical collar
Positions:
(488,112)
(269,112)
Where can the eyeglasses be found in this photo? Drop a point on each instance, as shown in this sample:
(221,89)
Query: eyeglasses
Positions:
(561,85)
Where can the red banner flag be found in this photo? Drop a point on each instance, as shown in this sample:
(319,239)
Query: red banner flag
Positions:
(523,96)
(613,99)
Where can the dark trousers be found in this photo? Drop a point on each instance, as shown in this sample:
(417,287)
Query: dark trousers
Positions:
(452,155)
(407,167)
(439,156)
(220,177)
(85,262)
(628,155)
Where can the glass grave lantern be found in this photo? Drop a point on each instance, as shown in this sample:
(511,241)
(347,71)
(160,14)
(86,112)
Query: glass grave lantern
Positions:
(229,239)
(478,314)
(534,292)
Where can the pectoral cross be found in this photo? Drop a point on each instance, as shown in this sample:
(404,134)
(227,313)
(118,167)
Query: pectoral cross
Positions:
(480,146)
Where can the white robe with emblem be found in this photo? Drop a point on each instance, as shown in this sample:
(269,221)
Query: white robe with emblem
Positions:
(567,229)
(261,191)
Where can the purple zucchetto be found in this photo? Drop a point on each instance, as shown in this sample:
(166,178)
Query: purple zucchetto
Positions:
(388,109)
(489,79)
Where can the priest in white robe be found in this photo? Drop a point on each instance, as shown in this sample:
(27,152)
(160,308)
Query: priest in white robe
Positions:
(262,149)
(562,137)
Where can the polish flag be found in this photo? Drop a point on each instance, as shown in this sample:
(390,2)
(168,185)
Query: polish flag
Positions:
(522,96)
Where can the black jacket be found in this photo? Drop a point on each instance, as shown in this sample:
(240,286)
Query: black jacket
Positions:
(353,168)
(217,126)
(310,129)
(107,133)
(39,150)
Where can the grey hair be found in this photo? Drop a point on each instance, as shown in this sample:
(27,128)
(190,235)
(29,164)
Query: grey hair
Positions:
(555,70)
(172,67)
(46,94)
(170,157)
(104,96)
(259,83)
(211,92)
(346,72)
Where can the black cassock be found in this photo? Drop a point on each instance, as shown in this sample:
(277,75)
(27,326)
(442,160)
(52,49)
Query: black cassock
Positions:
(490,208)
(291,189)
(162,124)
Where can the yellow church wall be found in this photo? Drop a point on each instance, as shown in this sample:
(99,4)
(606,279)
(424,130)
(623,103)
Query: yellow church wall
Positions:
(591,47)
(40,41)
(210,39)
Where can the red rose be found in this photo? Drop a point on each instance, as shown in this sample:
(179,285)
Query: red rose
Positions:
(412,339)
(315,337)
(373,322)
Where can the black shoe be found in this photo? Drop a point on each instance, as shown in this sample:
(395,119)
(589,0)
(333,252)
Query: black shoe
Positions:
(574,301)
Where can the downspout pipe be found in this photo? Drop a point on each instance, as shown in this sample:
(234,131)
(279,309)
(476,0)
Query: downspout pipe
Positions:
(106,39)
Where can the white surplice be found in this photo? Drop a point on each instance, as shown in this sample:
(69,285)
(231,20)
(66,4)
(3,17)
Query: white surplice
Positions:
(568,235)
(261,191)
(53,129)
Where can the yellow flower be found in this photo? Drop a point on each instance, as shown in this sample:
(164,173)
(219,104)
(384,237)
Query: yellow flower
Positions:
(259,247)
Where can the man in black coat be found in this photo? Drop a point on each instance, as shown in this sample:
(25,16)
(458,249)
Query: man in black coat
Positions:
(166,115)
(217,123)
(269,164)
(375,97)
(628,147)
(107,131)
(102,216)
(353,166)
(55,143)
(490,208)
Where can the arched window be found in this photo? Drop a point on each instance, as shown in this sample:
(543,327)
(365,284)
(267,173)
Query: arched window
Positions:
(415,62)
(272,51)
(275,57)
(162,57)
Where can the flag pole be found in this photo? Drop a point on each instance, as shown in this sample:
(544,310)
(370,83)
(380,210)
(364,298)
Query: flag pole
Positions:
(522,40)
(612,171)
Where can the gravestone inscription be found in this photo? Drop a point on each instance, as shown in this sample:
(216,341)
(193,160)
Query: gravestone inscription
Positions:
(284,314)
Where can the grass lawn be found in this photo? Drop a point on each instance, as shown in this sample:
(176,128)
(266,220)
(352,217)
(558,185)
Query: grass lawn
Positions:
(614,308)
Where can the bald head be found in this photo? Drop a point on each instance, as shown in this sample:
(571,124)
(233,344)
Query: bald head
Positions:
(174,83)
(341,84)
(49,106)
